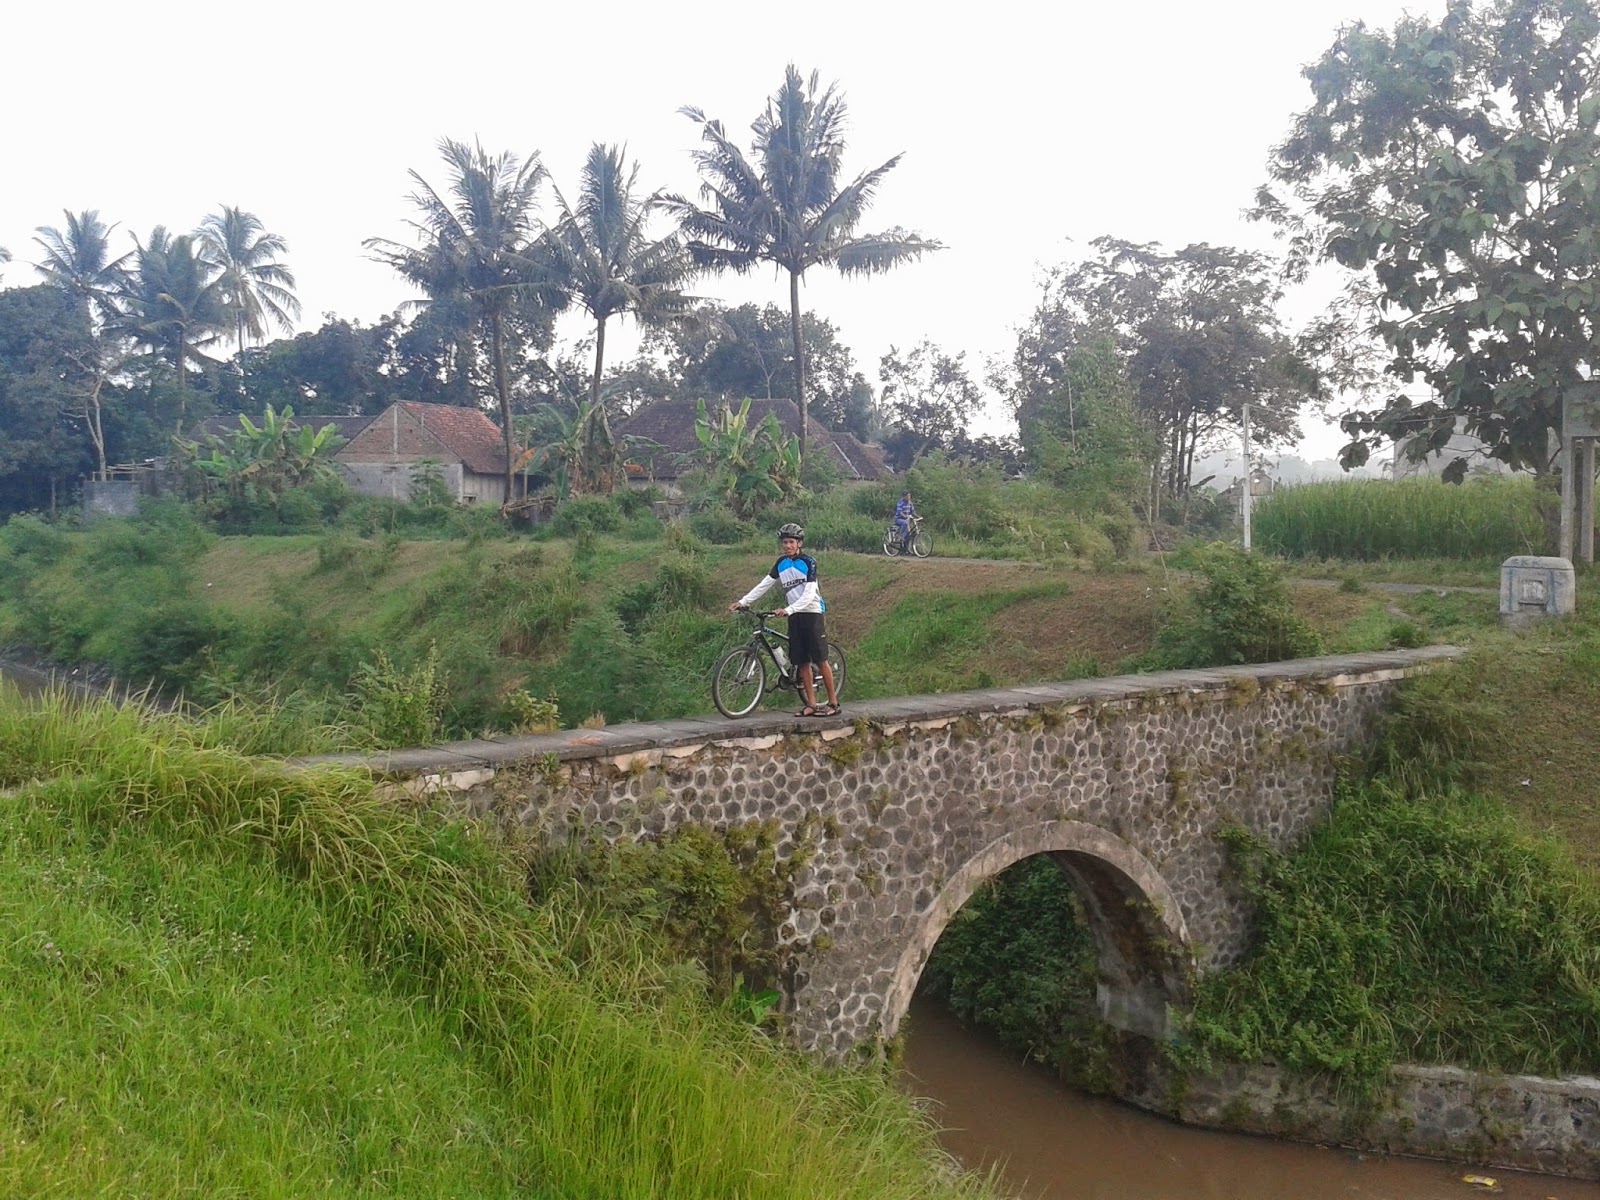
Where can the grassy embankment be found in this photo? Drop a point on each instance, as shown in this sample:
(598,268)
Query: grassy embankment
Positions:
(226,980)
(611,626)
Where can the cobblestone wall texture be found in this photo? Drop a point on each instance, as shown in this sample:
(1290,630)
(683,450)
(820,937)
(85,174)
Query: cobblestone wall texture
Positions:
(901,808)
(1519,1121)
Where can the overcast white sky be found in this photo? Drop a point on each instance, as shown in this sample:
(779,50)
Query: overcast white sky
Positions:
(1028,129)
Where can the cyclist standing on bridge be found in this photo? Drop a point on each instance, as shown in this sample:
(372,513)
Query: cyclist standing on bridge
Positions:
(796,573)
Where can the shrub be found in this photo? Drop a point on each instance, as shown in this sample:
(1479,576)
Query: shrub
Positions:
(1018,959)
(717,524)
(591,514)
(678,583)
(605,671)
(397,707)
(171,643)
(1241,613)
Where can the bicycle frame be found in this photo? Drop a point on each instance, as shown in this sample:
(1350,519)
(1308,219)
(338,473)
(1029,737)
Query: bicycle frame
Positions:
(760,640)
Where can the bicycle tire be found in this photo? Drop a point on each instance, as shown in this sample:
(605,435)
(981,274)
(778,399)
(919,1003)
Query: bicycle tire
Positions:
(922,543)
(738,682)
(891,541)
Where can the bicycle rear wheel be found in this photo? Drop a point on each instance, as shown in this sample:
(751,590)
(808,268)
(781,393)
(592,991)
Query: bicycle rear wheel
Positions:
(891,541)
(922,543)
(738,682)
(836,662)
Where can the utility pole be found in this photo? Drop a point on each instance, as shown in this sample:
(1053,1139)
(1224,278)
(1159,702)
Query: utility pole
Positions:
(1249,479)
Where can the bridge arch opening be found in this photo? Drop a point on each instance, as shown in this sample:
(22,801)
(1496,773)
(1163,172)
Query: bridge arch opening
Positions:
(1142,944)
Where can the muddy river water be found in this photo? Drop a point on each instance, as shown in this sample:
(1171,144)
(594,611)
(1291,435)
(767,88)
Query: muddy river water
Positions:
(1054,1143)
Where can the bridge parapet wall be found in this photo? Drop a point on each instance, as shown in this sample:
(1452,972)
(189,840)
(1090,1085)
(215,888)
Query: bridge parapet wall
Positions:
(897,811)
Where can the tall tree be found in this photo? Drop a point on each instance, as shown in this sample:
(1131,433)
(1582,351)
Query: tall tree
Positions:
(732,353)
(173,305)
(477,246)
(1454,165)
(78,260)
(605,259)
(257,290)
(928,401)
(784,204)
(1199,335)
(42,331)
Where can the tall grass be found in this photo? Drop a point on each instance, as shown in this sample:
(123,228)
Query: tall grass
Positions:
(592,1068)
(1405,518)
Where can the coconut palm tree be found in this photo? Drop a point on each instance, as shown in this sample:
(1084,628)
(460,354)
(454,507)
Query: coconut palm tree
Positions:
(174,304)
(605,260)
(78,260)
(256,288)
(477,245)
(784,204)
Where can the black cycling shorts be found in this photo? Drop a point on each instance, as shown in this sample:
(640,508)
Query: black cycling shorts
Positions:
(808,640)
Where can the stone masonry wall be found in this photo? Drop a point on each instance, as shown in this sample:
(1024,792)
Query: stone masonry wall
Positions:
(902,808)
(1519,1121)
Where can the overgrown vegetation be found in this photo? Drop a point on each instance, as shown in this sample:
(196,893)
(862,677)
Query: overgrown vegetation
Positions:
(1019,960)
(1241,613)
(1426,928)
(399,1019)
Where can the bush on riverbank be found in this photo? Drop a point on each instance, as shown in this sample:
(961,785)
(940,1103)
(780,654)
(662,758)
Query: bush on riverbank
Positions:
(237,976)
(1428,929)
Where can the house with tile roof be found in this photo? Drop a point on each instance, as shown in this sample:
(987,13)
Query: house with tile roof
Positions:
(660,439)
(382,457)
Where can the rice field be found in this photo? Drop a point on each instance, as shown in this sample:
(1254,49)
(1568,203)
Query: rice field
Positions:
(1404,518)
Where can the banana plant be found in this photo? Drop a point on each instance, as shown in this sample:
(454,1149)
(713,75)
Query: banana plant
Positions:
(749,466)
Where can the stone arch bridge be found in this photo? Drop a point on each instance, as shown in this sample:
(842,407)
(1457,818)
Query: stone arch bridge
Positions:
(900,809)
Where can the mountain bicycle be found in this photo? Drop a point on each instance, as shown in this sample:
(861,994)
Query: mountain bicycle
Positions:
(917,541)
(746,673)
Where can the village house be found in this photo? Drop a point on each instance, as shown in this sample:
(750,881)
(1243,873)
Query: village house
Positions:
(382,457)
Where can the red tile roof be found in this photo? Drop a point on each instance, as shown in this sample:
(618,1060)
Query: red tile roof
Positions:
(465,432)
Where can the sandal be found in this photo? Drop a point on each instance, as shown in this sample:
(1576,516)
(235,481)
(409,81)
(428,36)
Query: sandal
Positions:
(809,710)
(826,710)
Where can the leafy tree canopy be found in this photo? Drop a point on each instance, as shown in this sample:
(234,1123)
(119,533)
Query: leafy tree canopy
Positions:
(1454,167)
(928,401)
(1084,434)
(42,447)
(734,353)
(1199,336)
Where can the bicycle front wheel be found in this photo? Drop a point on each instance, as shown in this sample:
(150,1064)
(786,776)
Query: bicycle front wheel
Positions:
(738,682)
(891,541)
(922,543)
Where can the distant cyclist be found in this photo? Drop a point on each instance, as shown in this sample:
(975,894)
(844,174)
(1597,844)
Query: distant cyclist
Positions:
(904,510)
(796,573)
